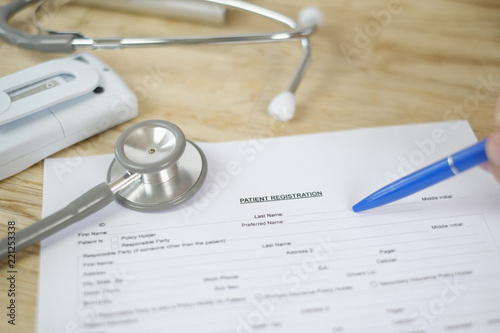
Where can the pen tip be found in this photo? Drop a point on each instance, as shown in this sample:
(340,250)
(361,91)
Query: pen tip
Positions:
(365,204)
(357,208)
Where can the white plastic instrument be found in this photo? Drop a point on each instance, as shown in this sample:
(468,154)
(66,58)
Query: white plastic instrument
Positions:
(51,106)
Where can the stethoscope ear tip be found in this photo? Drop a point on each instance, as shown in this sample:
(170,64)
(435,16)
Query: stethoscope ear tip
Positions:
(282,107)
(310,16)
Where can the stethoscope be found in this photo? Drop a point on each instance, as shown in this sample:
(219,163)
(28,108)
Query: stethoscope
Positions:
(282,107)
(155,168)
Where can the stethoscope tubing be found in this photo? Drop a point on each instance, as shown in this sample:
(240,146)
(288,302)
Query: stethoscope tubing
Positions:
(85,205)
(120,43)
(70,41)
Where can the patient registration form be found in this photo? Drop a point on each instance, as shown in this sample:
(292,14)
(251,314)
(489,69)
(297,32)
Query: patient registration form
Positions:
(270,243)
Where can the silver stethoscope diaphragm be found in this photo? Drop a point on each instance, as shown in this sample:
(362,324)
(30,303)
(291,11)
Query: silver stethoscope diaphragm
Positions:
(155,168)
(172,168)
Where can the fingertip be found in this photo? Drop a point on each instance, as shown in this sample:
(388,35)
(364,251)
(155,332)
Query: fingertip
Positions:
(486,167)
(495,170)
(493,149)
(497,112)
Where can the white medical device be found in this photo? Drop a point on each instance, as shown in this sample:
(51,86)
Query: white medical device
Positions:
(51,106)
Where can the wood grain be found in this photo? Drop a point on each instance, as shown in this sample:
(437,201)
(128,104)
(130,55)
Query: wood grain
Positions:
(374,63)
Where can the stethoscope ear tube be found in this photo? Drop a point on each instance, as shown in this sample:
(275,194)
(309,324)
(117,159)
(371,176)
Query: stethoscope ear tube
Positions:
(46,43)
(282,106)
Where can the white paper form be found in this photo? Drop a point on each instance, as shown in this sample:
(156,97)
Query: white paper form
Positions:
(270,243)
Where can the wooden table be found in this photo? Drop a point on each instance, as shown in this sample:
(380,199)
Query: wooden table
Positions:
(374,63)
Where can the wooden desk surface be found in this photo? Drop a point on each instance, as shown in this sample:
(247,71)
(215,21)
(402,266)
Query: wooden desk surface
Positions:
(374,63)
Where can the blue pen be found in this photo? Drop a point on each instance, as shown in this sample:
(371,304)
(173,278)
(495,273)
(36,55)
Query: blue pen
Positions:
(414,182)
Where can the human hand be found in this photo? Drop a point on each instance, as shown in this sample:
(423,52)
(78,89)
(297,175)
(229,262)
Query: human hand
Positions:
(493,146)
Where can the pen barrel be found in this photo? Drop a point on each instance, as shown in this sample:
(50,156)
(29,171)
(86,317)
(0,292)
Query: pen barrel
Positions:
(470,157)
(426,177)
(420,180)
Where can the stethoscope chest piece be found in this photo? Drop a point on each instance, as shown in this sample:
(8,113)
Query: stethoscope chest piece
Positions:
(172,168)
